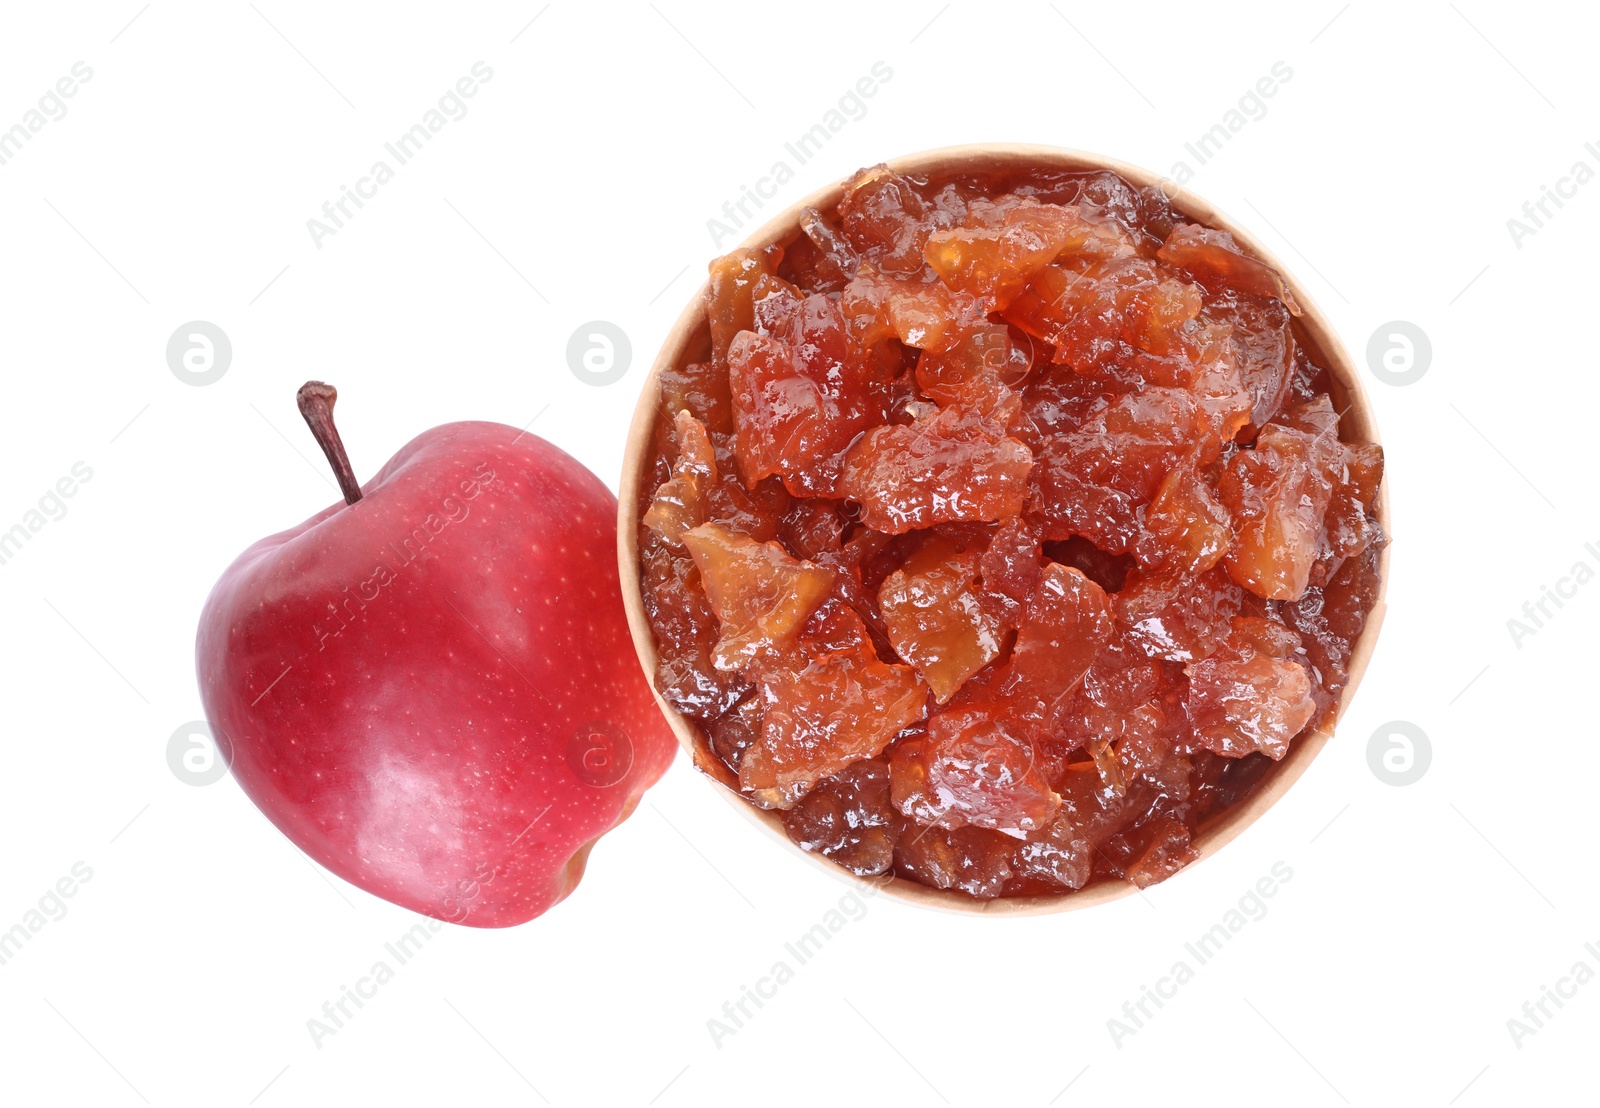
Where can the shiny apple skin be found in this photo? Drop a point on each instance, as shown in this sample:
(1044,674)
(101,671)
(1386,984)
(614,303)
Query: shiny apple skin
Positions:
(433,691)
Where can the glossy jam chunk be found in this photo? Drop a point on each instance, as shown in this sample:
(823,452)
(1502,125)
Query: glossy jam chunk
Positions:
(761,594)
(847,818)
(1129,709)
(1094,480)
(1189,528)
(730,306)
(1000,532)
(971,769)
(1002,244)
(1062,853)
(922,314)
(952,466)
(701,389)
(1278,496)
(1262,337)
(797,400)
(1066,624)
(680,503)
(977,374)
(1153,851)
(1179,619)
(1217,262)
(1252,694)
(1011,564)
(1097,312)
(824,709)
(935,614)
(971,860)
(886,219)
(686,634)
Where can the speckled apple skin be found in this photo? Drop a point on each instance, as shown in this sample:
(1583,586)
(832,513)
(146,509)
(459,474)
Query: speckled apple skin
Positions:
(433,691)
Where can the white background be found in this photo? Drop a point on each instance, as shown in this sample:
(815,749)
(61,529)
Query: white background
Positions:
(177,187)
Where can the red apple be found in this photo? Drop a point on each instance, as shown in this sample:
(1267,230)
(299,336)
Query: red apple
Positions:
(431,687)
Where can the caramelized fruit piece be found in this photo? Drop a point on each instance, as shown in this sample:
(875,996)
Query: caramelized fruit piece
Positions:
(796,402)
(1003,243)
(1145,433)
(969,770)
(847,818)
(1062,853)
(1096,312)
(811,528)
(1179,621)
(953,465)
(1220,391)
(823,711)
(1143,213)
(834,260)
(1092,481)
(736,731)
(729,307)
(679,503)
(935,618)
(1188,526)
(849,592)
(978,374)
(1250,695)
(920,313)
(1067,622)
(685,630)
(1264,348)
(1057,401)
(1217,262)
(883,217)
(1107,765)
(1012,562)
(702,388)
(1352,472)
(1150,760)
(760,594)
(756,512)
(1127,695)
(835,628)
(972,860)
(1347,527)
(1152,851)
(1277,493)
(1330,619)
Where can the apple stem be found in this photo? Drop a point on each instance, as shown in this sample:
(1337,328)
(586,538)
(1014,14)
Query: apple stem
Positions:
(315,400)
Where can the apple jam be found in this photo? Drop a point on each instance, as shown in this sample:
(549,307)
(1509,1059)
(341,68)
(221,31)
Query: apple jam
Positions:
(1000,532)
